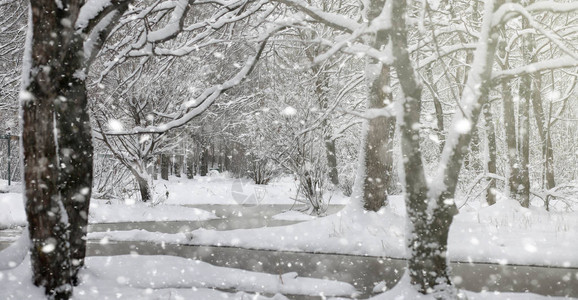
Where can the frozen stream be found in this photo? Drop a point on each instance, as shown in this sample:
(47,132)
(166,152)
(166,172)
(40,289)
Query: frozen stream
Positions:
(232,217)
(363,272)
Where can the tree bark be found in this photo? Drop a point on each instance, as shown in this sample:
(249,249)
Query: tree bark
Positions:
(525,92)
(523,192)
(204,167)
(165,166)
(431,211)
(542,123)
(190,166)
(491,164)
(227,162)
(510,133)
(321,89)
(437,106)
(144,187)
(378,145)
(178,165)
(47,222)
(330,149)
(76,163)
(57,168)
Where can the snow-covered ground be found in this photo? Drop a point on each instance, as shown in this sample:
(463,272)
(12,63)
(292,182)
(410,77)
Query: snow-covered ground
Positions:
(169,277)
(504,233)
(102,211)
(404,291)
(220,189)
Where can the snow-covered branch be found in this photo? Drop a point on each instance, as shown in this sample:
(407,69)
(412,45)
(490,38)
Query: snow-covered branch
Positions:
(538,67)
(333,20)
(201,103)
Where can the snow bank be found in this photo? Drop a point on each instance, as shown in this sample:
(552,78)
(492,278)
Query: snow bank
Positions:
(100,212)
(169,277)
(221,189)
(504,233)
(404,291)
(12,210)
(139,235)
(161,272)
(507,233)
(350,231)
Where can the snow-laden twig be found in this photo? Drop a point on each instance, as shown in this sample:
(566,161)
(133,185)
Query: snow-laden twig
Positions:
(537,67)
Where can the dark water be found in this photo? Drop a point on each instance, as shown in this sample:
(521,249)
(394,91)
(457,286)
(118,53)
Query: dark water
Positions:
(362,272)
(231,217)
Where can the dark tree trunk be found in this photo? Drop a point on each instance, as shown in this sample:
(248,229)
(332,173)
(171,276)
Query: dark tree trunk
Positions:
(321,89)
(438,108)
(155,167)
(221,157)
(165,166)
(144,188)
(524,143)
(472,160)
(378,162)
(511,143)
(55,98)
(491,133)
(331,160)
(378,146)
(47,223)
(204,167)
(178,165)
(76,162)
(514,139)
(542,123)
(428,266)
(190,166)
(329,142)
(212,155)
(525,92)
(57,142)
(227,164)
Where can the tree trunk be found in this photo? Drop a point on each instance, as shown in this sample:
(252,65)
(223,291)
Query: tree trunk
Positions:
(525,92)
(542,123)
(47,222)
(321,89)
(57,142)
(190,166)
(212,155)
(144,187)
(155,167)
(491,165)
(378,145)
(438,107)
(165,166)
(178,165)
(56,98)
(511,137)
(524,143)
(331,160)
(76,165)
(472,160)
(430,216)
(227,163)
(204,168)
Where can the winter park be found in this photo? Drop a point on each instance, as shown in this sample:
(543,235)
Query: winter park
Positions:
(288,149)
